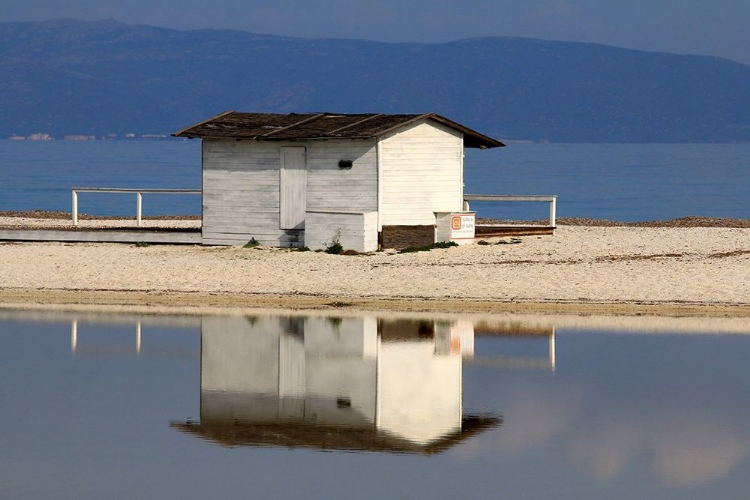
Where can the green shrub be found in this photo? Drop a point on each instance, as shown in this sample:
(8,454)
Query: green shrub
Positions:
(252,243)
(513,241)
(141,244)
(334,247)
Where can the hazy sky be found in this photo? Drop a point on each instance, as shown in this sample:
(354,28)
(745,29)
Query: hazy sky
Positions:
(712,27)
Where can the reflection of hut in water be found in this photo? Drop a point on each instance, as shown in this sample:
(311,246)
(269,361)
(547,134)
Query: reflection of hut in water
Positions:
(332,383)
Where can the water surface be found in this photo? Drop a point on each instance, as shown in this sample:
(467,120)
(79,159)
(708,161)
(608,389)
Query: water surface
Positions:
(260,406)
(627,182)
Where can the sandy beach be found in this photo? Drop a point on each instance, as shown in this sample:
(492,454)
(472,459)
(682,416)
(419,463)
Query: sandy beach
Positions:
(582,269)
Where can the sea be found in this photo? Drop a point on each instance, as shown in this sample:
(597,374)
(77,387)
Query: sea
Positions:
(626,182)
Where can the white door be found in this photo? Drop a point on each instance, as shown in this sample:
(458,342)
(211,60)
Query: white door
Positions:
(293,199)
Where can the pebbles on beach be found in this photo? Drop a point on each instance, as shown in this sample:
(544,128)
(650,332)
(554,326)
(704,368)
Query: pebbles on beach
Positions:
(692,221)
(587,263)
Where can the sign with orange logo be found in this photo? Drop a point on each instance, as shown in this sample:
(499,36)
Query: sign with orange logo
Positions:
(462,226)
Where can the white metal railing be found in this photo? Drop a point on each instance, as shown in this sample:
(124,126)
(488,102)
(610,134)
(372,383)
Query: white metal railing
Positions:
(138,193)
(551,199)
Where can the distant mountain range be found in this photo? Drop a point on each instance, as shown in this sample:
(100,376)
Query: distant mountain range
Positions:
(96,78)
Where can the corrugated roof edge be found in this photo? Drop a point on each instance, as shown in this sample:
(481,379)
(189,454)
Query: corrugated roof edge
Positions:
(491,143)
(475,139)
(180,132)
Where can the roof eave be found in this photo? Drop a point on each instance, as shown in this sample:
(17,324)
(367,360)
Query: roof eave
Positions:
(184,132)
(472,138)
(275,139)
(479,141)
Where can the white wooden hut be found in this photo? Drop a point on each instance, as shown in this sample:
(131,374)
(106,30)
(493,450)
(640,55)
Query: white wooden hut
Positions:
(310,179)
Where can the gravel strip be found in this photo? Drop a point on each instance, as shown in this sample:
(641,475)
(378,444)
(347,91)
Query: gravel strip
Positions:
(692,221)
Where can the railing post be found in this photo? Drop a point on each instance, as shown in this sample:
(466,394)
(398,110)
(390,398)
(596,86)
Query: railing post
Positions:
(139,207)
(552,210)
(466,205)
(75,207)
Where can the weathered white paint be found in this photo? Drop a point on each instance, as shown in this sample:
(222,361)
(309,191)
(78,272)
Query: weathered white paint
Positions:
(354,230)
(241,193)
(242,186)
(403,178)
(421,173)
(379,163)
(293,190)
(335,189)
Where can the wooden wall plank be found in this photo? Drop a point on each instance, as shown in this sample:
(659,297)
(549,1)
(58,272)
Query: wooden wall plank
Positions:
(242,184)
(293,190)
(421,167)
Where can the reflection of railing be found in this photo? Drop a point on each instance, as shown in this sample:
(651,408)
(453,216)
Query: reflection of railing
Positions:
(517,362)
(74,336)
(483,329)
(138,193)
(551,199)
(168,351)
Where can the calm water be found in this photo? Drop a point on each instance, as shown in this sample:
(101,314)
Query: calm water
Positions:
(263,406)
(615,181)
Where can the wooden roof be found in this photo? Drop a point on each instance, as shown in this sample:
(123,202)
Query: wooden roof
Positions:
(319,126)
(328,437)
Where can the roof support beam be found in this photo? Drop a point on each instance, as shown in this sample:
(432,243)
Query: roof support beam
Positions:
(308,119)
(355,123)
